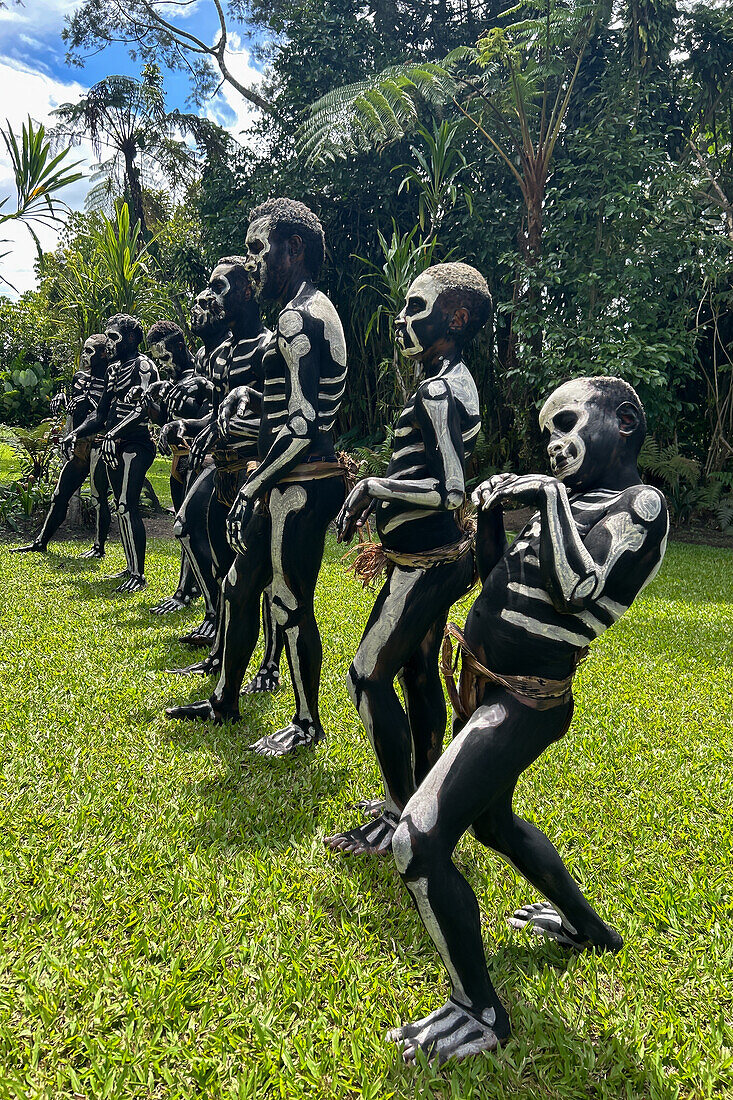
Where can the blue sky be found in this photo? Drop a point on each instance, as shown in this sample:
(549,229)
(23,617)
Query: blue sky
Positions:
(34,78)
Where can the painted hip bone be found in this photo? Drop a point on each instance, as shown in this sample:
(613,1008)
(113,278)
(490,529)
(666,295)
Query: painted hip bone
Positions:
(282,545)
(597,538)
(416,507)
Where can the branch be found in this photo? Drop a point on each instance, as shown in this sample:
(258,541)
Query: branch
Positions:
(496,146)
(216,52)
(723,199)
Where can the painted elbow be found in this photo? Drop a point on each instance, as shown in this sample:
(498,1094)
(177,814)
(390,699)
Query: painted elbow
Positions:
(454,499)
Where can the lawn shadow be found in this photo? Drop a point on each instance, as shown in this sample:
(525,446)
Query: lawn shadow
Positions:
(255,803)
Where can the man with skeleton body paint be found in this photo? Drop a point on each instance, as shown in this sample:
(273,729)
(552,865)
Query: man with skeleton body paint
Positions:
(430,560)
(83,458)
(280,542)
(597,538)
(176,366)
(127,446)
(236,360)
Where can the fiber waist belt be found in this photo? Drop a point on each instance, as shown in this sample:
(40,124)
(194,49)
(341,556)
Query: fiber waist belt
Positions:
(429,558)
(534,691)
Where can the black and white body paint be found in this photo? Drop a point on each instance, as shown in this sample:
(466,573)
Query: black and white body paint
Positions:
(280,543)
(234,363)
(416,507)
(597,538)
(176,367)
(82,457)
(127,445)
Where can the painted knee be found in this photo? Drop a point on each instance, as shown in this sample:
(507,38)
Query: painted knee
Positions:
(179,526)
(415,850)
(285,608)
(402,847)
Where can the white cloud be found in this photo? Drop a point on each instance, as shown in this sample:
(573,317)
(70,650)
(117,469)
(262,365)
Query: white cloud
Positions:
(229,102)
(26,92)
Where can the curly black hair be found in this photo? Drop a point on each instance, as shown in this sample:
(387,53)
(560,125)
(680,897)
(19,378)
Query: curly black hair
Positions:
(288,217)
(126,325)
(465,288)
(164,330)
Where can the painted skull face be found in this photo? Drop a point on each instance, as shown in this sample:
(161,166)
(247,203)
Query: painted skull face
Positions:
(115,342)
(87,354)
(210,307)
(162,356)
(421,321)
(258,246)
(584,433)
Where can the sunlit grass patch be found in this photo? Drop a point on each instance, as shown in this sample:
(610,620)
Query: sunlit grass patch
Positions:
(173,927)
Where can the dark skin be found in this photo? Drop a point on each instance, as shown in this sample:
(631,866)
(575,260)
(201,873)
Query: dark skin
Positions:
(440,334)
(229,303)
(95,360)
(433,336)
(597,539)
(278,280)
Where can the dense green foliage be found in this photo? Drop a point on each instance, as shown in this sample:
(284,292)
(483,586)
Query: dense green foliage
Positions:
(173,926)
(585,168)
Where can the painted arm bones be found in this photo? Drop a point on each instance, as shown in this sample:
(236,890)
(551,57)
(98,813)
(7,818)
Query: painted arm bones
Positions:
(300,429)
(576,571)
(444,488)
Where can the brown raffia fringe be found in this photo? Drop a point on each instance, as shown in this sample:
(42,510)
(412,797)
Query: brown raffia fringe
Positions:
(372,559)
(534,691)
(83,449)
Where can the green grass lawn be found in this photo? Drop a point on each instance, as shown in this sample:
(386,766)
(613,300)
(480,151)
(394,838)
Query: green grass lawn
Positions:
(173,927)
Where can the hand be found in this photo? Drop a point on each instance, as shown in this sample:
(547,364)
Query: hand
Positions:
(190,389)
(135,395)
(487,491)
(528,489)
(201,446)
(171,434)
(238,520)
(234,404)
(58,403)
(109,450)
(67,445)
(357,506)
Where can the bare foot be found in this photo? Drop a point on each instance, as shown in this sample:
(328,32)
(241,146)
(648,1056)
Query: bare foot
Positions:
(450,1032)
(134,583)
(370,807)
(95,551)
(542,919)
(267,679)
(31,548)
(203,635)
(202,711)
(170,604)
(288,740)
(207,667)
(373,839)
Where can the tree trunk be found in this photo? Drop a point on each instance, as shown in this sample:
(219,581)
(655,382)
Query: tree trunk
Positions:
(132,176)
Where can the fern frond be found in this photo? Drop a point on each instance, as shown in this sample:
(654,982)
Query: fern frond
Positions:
(374,111)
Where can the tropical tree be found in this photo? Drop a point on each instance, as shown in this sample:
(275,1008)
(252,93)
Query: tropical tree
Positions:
(128,124)
(148,27)
(38,177)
